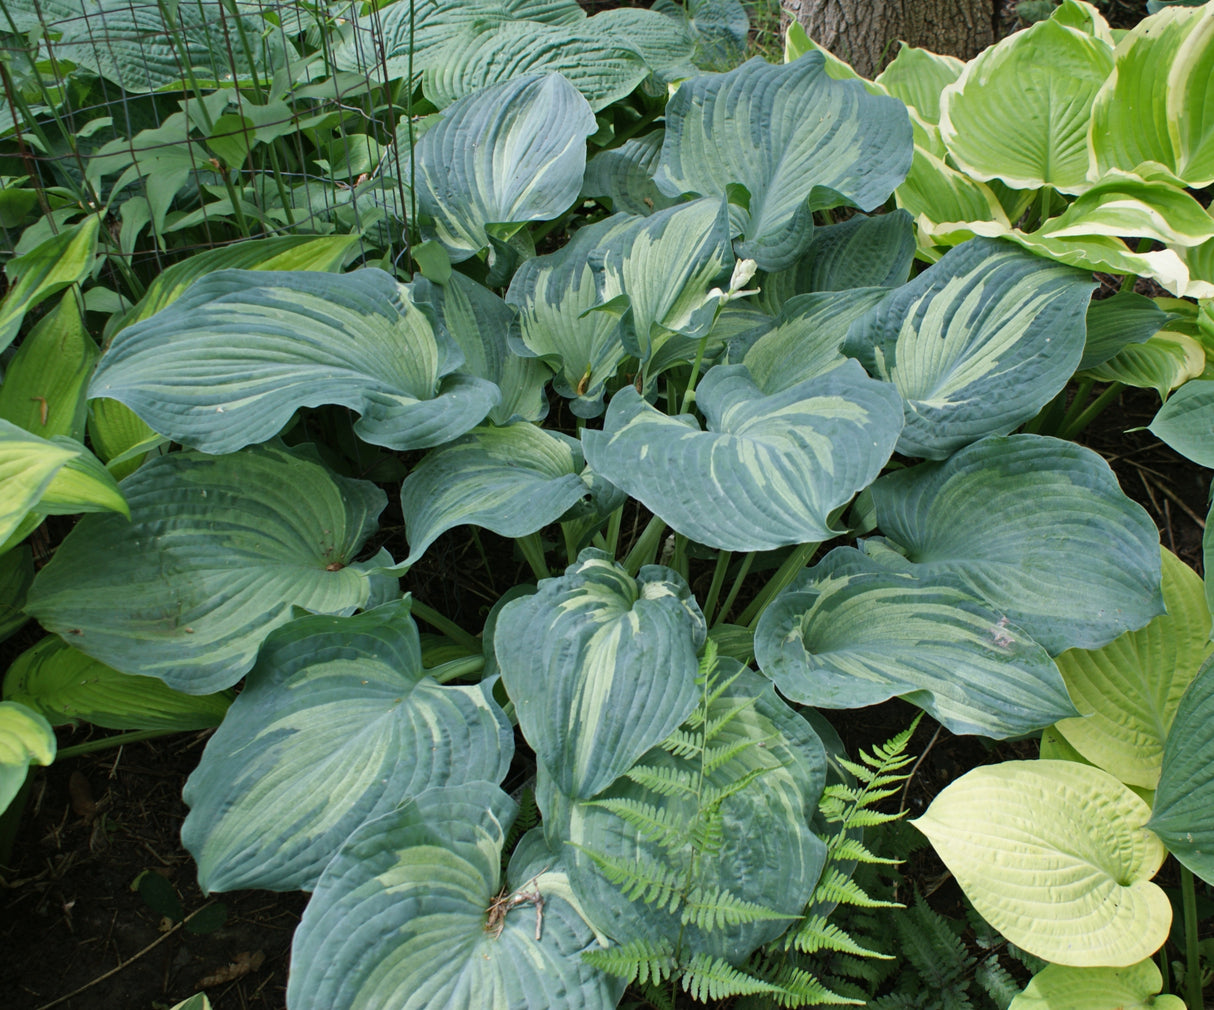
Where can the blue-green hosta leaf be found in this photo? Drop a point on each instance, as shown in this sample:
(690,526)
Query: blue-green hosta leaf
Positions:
(851,639)
(666,39)
(600,666)
(752,127)
(1053,855)
(217,552)
(1114,323)
(917,77)
(624,175)
(410,915)
(513,481)
(1134,988)
(229,362)
(1186,422)
(512,153)
(768,472)
(16,574)
(976,344)
(25,738)
(28,464)
(1025,522)
(337,724)
(720,29)
(66,686)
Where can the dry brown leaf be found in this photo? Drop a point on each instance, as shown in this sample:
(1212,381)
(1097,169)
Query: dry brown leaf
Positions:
(81,794)
(240,966)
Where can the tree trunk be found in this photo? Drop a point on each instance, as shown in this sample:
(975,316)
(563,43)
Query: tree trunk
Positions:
(866,32)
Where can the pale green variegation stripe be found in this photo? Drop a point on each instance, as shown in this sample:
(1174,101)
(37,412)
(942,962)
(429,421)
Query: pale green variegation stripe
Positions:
(399,919)
(857,639)
(917,76)
(28,464)
(1053,855)
(751,127)
(229,362)
(600,667)
(25,738)
(768,472)
(217,552)
(1124,205)
(1127,693)
(1133,988)
(337,724)
(976,344)
(1026,522)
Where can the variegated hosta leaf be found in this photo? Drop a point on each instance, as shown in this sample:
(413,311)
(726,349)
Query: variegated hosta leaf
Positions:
(976,344)
(624,175)
(600,666)
(28,464)
(512,153)
(409,915)
(230,361)
(665,39)
(762,864)
(337,724)
(1184,802)
(82,484)
(1019,111)
(750,127)
(1053,855)
(1124,205)
(917,77)
(1186,422)
(1026,522)
(25,738)
(1133,988)
(1083,17)
(1128,691)
(768,472)
(851,639)
(1163,362)
(217,552)
(935,193)
(1115,323)
(512,481)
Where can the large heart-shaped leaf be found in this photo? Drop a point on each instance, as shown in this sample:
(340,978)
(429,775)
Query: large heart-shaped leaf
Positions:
(917,77)
(600,666)
(217,552)
(751,128)
(1026,522)
(337,724)
(1053,855)
(1057,986)
(976,344)
(228,363)
(25,738)
(768,472)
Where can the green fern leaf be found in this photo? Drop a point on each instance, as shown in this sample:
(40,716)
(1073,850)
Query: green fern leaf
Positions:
(636,961)
(682,744)
(658,824)
(817,933)
(640,879)
(707,977)
(664,780)
(714,908)
(844,848)
(932,947)
(838,888)
(997,982)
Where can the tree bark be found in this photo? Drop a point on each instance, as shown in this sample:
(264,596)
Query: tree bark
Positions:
(866,32)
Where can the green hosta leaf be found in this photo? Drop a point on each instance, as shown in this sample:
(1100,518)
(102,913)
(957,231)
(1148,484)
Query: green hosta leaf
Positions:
(513,481)
(600,667)
(25,738)
(1025,523)
(1128,692)
(1121,205)
(768,472)
(1162,363)
(512,153)
(119,437)
(1057,987)
(624,175)
(337,724)
(66,686)
(1019,111)
(1184,802)
(1082,16)
(917,77)
(976,344)
(217,552)
(1053,855)
(28,464)
(847,639)
(720,29)
(82,484)
(1186,422)
(935,193)
(16,574)
(1114,323)
(408,914)
(854,150)
(229,362)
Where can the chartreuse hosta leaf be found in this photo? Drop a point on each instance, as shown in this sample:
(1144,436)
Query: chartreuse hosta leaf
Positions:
(851,638)
(1128,691)
(28,464)
(600,666)
(25,738)
(1057,986)
(750,128)
(917,77)
(229,362)
(337,724)
(1025,522)
(1053,855)
(1184,802)
(1165,361)
(512,153)
(411,913)
(1186,422)
(66,686)
(217,552)
(768,472)
(976,344)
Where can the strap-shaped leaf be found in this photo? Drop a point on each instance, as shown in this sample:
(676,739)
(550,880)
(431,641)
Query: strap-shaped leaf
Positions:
(976,344)
(1053,855)
(1186,422)
(217,552)
(768,472)
(25,738)
(752,127)
(853,639)
(229,362)
(337,724)
(600,666)
(1025,522)
(1133,988)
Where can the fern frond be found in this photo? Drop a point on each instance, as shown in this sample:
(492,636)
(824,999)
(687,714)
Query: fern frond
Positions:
(665,781)
(714,726)
(836,887)
(657,824)
(642,961)
(715,757)
(997,982)
(844,848)
(796,987)
(932,947)
(710,908)
(682,744)
(816,933)
(714,796)
(707,977)
(862,818)
(640,879)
